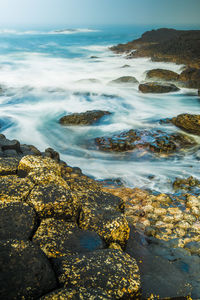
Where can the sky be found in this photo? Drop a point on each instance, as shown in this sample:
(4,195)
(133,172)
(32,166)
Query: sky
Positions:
(33,13)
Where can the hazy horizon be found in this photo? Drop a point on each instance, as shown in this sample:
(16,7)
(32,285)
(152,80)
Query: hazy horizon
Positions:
(90,13)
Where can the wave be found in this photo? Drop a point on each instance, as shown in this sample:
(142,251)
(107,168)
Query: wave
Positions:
(52,32)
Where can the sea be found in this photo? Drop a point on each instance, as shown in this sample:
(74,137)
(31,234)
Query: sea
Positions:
(48,73)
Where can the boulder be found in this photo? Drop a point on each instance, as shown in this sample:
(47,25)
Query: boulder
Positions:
(191,78)
(193,247)
(188,122)
(161,74)
(8,165)
(14,189)
(17,221)
(25,271)
(59,238)
(124,79)
(155,141)
(186,183)
(86,118)
(103,213)
(52,200)
(111,270)
(157,88)
(78,293)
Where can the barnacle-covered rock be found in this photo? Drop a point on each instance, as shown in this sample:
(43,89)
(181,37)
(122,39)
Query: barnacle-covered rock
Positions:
(13,188)
(58,238)
(25,271)
(111,270)
(17,221)
(52,200)
(8,165)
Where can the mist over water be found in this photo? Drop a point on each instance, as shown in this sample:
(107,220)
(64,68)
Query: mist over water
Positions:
(48,75)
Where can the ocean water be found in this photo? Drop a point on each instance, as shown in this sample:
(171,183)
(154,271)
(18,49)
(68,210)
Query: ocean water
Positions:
(47,74)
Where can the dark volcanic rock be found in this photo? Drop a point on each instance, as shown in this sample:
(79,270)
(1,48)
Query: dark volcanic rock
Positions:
(187,122)
(125,79)
(191,78)
(59,238)
(25,271)
(78,293)
(9,165)
(86,118)
(180,46)
(52,200)
(152,87)
(17,221)
(49,152)
(111,270)
(165,75)
(155,141)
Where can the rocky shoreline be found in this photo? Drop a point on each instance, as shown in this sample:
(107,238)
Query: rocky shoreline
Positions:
(65,236)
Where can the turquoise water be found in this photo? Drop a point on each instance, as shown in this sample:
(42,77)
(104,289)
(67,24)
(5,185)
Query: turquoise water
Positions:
(46,74)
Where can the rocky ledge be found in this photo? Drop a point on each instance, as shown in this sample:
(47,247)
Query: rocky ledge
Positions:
(64,236)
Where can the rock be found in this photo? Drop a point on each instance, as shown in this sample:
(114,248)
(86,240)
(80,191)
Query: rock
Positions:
(86,118)
(157,88)
(29,150)
(8,165)
(78,293)
(161,74)
(14,189)
(52,200)
(191,78)
(186,184)
(155,141)
(156,271)
(25,271)
(49,152)
(10,145)
(103,214)
(59,238)
(199,92)
(193,247)
(93,56)
(187,122)
(17,221)
(125,79)
(111,270)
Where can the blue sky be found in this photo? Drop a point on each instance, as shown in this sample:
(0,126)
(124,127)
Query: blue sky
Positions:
(98,12)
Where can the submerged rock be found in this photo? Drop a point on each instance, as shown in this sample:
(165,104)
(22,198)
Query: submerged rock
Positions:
(186,184)
(59,238)
(187,122)
(157,88)
(86,118)
(155,141)
(25,272)
(17,221)
(191,78)
(124,79)
(165,75)
(111,270)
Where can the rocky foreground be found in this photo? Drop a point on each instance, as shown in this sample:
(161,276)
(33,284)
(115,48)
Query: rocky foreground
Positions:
(65,236)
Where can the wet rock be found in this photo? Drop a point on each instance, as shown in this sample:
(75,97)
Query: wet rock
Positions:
(78,294)
(111,270)
(186,184)
(157,88)
(29,150)
(14,189)
(52,200)
(161,74)
(193,247)
(17,221)
(191,78)
(59,238)
(49,152)
(9,165)
(159,276)
(86,118)
(25,271)
(6,144)
(103,213)
(187,122)
(155,141)
(125,79)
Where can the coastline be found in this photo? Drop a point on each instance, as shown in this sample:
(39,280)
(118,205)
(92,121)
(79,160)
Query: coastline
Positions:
(99,228)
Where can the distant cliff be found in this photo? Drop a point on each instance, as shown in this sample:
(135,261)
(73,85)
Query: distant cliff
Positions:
(180,46)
